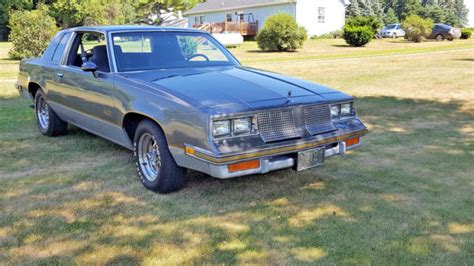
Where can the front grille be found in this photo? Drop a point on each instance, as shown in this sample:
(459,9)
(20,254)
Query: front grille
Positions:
(318,119)
(277,125)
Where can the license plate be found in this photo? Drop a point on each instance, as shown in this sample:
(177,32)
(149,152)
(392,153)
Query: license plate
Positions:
(310,158)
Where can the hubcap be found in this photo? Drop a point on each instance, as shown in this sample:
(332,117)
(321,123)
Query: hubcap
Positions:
(42,111)
(149,157)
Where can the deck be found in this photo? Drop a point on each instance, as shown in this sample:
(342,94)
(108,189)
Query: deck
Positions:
(244,28)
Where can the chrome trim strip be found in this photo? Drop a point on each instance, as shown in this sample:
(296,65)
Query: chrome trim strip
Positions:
(208,157)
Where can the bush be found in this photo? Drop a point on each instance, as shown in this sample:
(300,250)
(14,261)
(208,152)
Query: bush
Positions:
(31,32)
(417,29)
(466,33)
(331,35)
(372,22)
(281,33)
(358,35)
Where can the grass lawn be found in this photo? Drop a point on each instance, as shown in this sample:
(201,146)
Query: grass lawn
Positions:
(405,197)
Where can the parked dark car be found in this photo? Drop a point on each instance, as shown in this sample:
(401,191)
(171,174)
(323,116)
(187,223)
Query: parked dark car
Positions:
(444,32)
(180,100)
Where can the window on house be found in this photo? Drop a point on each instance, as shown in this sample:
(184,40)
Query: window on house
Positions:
(199,20)
(229,17)
(321,14)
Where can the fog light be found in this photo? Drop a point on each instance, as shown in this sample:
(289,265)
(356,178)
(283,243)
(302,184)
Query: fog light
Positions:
(232,168)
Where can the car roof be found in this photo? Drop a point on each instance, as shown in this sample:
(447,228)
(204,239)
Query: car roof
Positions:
(106,29)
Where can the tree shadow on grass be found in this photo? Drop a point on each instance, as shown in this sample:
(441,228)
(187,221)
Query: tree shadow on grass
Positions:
(392,200)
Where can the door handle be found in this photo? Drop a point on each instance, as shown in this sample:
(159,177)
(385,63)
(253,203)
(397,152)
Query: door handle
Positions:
(59,75)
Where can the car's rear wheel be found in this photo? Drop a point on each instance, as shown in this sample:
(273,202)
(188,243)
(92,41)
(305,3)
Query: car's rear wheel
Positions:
(155,165)
(49,124)
(439,37)
(394,36)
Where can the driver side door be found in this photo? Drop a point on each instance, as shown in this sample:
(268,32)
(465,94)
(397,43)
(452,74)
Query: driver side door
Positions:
(87,99)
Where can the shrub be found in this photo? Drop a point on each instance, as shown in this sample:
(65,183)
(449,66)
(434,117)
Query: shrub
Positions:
(361,21)
(417,29)
(31,32)
(281,33)
(466,33)
(358,35)
(331,35)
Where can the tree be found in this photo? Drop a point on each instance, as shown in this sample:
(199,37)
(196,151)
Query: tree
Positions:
(353,10)
(31,32)
(6,6)
(69,13)
(390,17)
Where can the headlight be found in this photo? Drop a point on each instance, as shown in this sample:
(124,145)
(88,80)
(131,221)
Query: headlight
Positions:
(346,109)
(221,128)
(242,125)
(234,127)
(343,110)
(335,111)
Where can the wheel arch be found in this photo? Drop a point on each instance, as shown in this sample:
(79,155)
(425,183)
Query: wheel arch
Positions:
(131,120)
(33,88)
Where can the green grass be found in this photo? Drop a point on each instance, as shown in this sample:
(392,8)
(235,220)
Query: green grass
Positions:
(405,197)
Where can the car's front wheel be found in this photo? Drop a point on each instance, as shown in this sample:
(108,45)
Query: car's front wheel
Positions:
(155,165)
(49,123)
(439,37)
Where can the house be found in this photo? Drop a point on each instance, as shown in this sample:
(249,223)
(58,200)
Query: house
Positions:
(470,16)
(317,16)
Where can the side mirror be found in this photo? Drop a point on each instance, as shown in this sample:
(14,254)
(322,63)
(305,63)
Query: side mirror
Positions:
(89,67)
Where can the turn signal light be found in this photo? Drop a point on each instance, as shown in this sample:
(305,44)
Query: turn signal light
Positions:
(243,166)
(190,150)
(352,142)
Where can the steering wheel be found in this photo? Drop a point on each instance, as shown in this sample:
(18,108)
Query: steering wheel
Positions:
(198,55)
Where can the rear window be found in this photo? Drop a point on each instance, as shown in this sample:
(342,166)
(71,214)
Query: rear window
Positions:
(60,48)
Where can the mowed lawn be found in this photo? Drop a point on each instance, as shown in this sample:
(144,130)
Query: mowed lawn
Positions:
(405,197)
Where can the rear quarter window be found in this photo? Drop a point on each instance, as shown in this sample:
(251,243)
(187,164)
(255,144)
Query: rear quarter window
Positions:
(59,51)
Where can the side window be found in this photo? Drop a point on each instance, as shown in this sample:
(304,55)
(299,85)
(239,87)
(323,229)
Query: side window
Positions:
(58,53)
(89,47)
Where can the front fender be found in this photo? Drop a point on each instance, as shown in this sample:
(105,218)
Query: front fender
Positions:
(181,122)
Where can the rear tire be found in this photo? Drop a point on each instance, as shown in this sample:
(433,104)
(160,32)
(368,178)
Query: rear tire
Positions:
(49,124)
(439,37)
(155,165)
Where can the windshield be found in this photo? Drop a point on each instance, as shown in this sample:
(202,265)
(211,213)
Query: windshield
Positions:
(390,26)
(136,51)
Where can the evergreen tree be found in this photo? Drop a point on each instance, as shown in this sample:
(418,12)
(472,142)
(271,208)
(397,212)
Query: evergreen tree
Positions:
(353,10)
(390,17)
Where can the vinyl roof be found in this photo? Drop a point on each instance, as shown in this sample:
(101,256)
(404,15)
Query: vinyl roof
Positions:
(106,29)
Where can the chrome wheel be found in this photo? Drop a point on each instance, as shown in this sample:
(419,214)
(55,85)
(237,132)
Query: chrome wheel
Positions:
(42,111)
(149,156)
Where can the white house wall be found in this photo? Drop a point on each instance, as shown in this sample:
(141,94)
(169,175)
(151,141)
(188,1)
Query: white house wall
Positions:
(259,13)
(470,5)
(304,11)
(307,15)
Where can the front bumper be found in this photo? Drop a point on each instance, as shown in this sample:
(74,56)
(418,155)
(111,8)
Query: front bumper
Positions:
(273,163)
(272,158)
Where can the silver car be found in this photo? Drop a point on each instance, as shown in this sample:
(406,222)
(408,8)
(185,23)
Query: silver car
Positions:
(392,31)
(180,100)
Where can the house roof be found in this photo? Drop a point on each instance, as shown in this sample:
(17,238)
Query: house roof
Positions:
(222,5)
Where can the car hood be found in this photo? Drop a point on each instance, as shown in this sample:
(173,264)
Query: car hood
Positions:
(232,87)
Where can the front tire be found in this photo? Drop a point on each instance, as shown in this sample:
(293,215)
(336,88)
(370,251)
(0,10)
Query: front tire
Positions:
(155,165)
(439,37)
(49,124)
